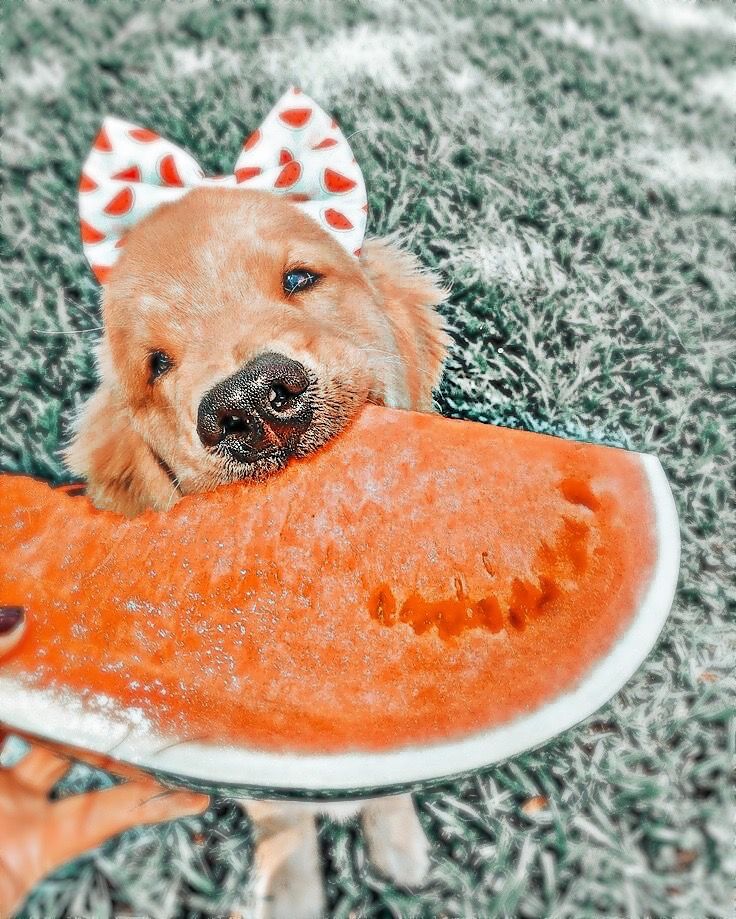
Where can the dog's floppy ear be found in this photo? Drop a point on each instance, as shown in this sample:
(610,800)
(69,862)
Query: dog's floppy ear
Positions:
(410,295)
(122,473)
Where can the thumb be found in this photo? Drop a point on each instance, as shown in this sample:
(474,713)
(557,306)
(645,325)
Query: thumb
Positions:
(12,627)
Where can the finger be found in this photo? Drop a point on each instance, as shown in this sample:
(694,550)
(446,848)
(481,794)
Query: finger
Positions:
(40,769)
(12,627)
(86,821)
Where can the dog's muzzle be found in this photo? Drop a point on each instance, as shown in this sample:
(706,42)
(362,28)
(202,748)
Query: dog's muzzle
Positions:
(265,407)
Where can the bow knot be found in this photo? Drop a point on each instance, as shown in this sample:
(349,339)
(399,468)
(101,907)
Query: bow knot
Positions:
(298,152)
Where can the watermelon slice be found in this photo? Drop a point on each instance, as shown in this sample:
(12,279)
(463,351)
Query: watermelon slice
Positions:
(289,175)
(420,598)
(121,203)
(168,171)
(295,117)
(336,183)
(336,219)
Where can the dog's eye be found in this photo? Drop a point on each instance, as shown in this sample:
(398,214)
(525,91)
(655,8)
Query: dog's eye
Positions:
(159,363)
(299,279)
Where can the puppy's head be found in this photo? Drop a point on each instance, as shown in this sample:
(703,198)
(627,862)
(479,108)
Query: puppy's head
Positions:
(239,334)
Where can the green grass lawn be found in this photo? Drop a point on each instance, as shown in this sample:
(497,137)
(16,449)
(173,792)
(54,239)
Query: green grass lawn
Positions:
(568,169)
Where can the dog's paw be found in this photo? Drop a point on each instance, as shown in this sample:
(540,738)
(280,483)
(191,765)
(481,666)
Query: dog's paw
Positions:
(397,844)
(291,899)
(405,863)
(288,875)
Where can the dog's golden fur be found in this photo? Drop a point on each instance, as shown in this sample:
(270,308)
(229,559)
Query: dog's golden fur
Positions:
(201,280)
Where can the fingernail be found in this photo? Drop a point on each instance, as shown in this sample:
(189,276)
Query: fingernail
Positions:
(10,618)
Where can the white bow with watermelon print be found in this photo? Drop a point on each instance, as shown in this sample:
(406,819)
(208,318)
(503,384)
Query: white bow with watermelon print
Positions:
(298,152)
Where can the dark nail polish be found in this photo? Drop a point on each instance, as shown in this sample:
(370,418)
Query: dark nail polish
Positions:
(10,618)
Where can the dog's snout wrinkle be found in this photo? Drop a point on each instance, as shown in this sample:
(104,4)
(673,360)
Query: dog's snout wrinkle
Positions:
(265,405)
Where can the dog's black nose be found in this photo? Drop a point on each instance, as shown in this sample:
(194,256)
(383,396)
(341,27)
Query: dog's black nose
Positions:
(267,404)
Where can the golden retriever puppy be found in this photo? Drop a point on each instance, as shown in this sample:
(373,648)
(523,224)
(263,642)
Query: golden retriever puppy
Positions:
(238,335)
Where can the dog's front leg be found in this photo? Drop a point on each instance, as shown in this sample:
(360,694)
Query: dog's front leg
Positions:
(288,873)
(397,844)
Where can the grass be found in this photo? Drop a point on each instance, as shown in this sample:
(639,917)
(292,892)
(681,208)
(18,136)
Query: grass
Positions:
(568,168)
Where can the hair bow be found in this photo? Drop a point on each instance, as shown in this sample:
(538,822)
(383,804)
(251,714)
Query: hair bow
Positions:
(298,152)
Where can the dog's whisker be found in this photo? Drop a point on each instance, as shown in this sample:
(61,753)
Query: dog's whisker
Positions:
(175,490)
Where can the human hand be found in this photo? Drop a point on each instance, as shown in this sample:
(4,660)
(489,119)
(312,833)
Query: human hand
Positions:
(38,835)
